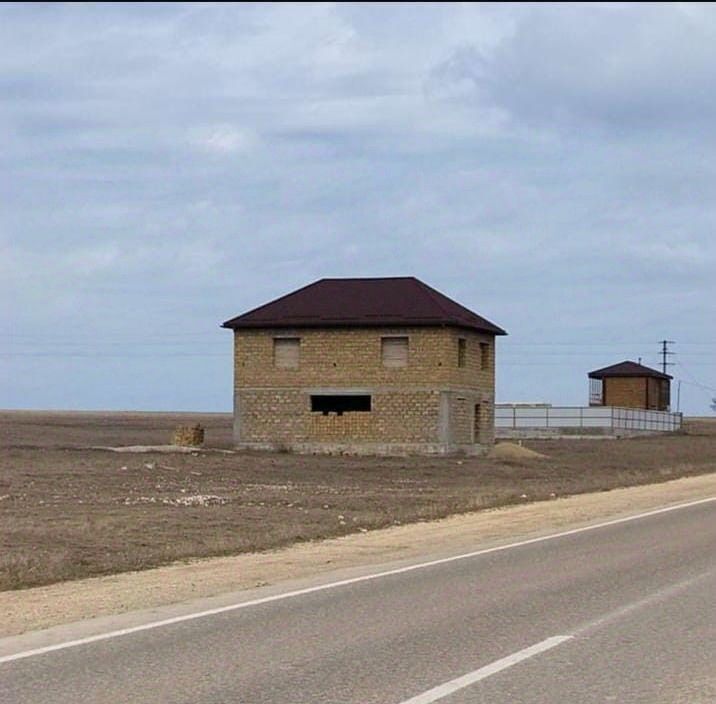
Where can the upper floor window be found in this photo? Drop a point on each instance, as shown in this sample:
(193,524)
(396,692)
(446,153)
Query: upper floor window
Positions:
(484,355)
(461,352)
(286,352)
(394,351)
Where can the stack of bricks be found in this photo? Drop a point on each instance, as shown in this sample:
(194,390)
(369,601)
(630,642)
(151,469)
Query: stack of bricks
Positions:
(189,436)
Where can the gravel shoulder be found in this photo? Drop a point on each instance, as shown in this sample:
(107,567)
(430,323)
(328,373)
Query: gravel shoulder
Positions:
(68,602)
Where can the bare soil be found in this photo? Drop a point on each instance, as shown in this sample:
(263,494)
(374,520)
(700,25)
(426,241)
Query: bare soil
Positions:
(67,512)
(183,583)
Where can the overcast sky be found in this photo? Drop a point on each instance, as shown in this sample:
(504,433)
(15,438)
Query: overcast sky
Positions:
(166,167)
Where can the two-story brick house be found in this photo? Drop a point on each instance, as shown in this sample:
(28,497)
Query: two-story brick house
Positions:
(375,366)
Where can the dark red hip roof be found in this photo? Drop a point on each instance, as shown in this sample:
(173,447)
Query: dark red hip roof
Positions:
(400,301)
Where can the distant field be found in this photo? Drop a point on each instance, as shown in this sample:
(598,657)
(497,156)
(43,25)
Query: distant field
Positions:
(68,512)
(76,429)
(700,426)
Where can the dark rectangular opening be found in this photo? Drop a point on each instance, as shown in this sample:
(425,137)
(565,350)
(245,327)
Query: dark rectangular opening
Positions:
(461,351)
(340,404)
(484,355)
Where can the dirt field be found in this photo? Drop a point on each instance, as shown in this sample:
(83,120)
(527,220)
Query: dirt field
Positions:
(67,512)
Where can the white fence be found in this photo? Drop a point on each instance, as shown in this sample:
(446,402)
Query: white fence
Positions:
(515,417)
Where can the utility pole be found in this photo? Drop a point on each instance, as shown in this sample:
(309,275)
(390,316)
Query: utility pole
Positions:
(678,397)
(665,353)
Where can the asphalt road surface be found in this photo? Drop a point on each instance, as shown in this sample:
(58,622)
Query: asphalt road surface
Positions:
(619,613)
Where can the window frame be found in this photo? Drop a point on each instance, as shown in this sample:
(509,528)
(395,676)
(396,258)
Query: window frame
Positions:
(461,352)
(277,339)
(484,355)
(387,338)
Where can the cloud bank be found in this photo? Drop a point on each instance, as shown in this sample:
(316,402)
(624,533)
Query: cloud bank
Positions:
(165,167)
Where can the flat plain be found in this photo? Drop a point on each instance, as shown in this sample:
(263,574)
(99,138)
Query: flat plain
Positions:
(69,510)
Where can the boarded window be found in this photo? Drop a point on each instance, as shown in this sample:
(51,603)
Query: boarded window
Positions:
(285,352)
(461,351)
(394,351)
(484,355)
(340,404)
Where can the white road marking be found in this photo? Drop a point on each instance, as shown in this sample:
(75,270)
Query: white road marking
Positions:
(342,583)
(656,597)
(444,690)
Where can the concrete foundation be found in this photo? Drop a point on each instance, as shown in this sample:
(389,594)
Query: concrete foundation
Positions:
(366,448)
(570,433)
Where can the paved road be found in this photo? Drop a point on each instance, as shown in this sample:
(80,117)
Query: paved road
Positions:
(621,613)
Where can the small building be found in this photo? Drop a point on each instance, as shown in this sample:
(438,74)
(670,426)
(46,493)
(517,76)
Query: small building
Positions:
(373,366)
(630,385)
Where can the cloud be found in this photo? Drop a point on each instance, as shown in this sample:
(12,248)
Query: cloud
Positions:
(225,139)
(623,67)
(164,167)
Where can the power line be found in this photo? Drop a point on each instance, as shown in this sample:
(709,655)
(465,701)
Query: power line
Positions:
(693,381)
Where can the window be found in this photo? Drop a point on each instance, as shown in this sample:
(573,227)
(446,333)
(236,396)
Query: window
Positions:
(340,404)
(285,352)
(461,351)
(394,351)
(665,400)
(484,355)
(596,392)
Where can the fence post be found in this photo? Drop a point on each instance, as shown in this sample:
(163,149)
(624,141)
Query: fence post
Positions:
(546,417)
(581,417)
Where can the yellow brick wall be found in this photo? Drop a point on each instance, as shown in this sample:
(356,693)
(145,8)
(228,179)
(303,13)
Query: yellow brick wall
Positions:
(352,357)
(463,419)
(273,404)
(486,424)
(658,390)
(628,392)
(284,416)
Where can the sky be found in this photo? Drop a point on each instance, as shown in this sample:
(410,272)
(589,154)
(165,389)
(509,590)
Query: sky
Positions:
(165,167)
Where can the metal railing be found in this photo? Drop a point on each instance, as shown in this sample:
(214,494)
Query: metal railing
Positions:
(517,417)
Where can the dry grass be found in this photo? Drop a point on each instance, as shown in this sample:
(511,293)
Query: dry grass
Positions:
(67,512)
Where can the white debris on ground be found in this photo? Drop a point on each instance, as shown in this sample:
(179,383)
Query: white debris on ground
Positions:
(194,500)
(146,448)
(181,449)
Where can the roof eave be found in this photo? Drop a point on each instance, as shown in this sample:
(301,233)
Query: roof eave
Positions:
(235,324)
(617,375)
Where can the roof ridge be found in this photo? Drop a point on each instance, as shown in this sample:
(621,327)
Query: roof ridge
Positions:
(441,299)
(434,296)
(367,278)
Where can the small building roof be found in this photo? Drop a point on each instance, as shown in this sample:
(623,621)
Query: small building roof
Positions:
(396,301)
(627,368)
